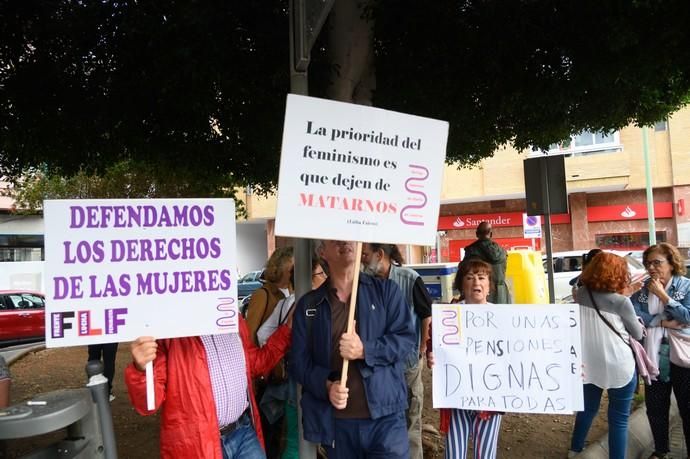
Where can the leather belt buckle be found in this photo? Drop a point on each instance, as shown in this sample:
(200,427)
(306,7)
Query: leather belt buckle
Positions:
(234,425)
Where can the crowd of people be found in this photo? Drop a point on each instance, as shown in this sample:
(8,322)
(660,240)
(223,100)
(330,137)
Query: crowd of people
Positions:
(235,395)
(616,312)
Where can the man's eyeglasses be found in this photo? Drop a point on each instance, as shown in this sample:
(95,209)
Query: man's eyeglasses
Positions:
(319,274)
(655,263)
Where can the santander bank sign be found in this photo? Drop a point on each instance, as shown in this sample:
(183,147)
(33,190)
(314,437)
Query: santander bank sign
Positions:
(497,220)
(473,221)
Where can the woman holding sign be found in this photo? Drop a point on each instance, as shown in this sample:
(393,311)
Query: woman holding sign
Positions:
(474,278)
(608,323)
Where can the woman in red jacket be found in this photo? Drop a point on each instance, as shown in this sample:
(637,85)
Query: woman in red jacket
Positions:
(203,388)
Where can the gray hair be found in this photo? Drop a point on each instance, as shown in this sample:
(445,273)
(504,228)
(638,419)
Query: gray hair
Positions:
(318,245)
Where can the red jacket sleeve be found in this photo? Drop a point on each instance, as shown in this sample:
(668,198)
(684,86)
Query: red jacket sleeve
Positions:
(136,381)
(261,360)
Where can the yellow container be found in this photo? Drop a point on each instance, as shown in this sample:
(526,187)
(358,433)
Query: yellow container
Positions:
(525,277)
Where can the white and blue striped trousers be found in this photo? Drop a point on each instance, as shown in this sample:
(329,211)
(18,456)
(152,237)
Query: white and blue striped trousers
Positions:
(484,434)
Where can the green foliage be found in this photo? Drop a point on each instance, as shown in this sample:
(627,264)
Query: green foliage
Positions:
(638,398)
(531,72)
(85,85)
(124,179)
(200,86)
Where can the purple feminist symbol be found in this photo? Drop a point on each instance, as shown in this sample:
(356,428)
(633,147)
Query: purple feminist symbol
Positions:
(412,185)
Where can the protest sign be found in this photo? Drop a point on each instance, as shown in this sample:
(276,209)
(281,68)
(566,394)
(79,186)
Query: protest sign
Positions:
(353,172)
(519,358)
(119,269)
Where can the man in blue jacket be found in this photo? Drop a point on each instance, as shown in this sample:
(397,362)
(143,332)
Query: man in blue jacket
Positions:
(366,418)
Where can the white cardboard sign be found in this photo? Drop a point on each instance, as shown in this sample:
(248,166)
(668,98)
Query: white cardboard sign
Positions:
(353,172)
(119,269)
(517,358)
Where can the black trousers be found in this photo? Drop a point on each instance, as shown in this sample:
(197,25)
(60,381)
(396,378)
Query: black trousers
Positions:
(105,352)
(274,434)
(658,403)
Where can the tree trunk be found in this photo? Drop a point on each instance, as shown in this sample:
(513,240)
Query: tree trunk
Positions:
(351,43)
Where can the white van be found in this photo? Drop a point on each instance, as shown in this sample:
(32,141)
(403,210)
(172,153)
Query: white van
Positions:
(568,265)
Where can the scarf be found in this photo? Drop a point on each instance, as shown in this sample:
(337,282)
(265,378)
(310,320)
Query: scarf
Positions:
(655,334)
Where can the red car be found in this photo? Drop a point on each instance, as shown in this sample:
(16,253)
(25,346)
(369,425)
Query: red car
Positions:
(22,316)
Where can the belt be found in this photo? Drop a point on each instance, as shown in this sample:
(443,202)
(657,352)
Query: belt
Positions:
(234,425)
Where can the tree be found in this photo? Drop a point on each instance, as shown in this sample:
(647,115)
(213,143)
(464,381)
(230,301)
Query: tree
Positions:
(530,72)
(124,179)
(201,85)
(197,86)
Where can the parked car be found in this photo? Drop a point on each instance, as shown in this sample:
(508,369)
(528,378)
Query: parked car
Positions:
(567,265)
(244,304)
(22,317)
(248,283)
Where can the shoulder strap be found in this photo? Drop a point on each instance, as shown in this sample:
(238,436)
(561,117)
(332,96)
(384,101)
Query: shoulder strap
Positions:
(265,314)
(283,318)
(594,303)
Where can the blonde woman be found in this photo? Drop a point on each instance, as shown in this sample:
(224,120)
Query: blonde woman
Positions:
(277,285)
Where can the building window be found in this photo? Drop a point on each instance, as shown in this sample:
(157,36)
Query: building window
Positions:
(626,241)
(588,142)
(661,125)
(21,247)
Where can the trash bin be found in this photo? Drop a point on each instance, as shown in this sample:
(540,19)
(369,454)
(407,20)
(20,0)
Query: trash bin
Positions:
(525,277)
(438,278)
(84,414)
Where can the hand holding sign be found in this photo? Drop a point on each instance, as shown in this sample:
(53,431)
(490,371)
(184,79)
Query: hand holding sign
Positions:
(351,314)
(337,394)
(143,351)
(355,173)
(351,347)
(118,269)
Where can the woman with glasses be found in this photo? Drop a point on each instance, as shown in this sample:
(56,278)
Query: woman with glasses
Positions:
(663,303)
(608,323)
(318,274)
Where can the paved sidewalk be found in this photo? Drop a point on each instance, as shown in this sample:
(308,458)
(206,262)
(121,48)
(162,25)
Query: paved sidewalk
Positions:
(640,441)
(677,441)
(13,353)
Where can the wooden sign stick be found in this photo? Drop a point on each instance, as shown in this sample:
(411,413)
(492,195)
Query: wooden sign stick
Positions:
(353,305)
